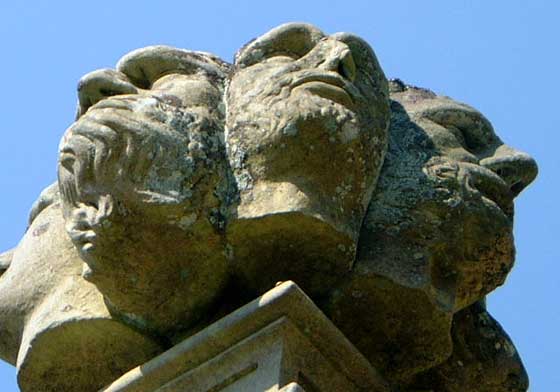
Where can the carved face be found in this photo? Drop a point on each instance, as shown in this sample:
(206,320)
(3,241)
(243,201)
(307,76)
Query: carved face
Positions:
(144,185)
(309,106)
(453,200)
(306,131)
(146,132)
(294,76)
(437,235)
(143,151)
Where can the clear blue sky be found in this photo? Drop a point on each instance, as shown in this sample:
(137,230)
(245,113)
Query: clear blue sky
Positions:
(499,56)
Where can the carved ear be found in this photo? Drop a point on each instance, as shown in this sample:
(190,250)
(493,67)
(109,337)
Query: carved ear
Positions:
(87,220)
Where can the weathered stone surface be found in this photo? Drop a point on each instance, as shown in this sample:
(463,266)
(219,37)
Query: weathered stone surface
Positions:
(398,329)
(437,236)
(145,189)
(188,186)
(273,342)
(448,198)
(306,124)
(484,358)
(55,325)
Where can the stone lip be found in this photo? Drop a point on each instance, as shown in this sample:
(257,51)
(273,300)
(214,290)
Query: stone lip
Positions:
(286,300)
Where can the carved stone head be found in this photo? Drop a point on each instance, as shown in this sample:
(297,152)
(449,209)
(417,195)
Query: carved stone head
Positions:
(183,176)
(438,233)
(144,185)
(306,124)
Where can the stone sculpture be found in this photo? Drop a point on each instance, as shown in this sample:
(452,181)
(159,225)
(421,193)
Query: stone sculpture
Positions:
(306,133)
(188,187)
(144,185)
(437,236)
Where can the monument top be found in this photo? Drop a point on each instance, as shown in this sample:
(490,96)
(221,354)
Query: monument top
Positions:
(187,187)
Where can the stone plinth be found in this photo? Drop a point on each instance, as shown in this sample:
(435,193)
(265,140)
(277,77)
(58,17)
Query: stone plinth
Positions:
(279,342)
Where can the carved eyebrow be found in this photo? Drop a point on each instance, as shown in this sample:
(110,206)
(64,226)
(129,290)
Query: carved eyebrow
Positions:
(476,129)
(291,39)
(144,66)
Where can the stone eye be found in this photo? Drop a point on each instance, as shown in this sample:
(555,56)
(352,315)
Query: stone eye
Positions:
(67,160)
(476,131)
(458,135)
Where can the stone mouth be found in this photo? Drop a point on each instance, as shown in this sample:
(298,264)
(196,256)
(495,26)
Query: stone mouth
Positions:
(328,85)
(492,187)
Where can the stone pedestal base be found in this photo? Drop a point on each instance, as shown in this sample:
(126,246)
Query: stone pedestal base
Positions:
(278,342)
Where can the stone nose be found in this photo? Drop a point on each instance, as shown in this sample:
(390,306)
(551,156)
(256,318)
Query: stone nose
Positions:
(337,57)
(98,85)
(516,168)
